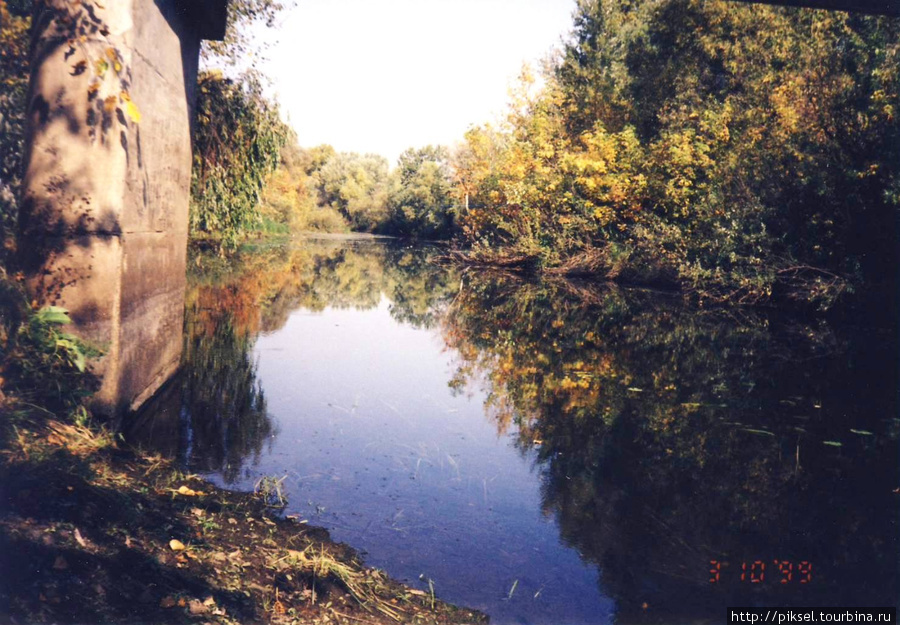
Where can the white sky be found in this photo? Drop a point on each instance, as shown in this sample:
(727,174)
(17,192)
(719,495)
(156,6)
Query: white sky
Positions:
(384,75)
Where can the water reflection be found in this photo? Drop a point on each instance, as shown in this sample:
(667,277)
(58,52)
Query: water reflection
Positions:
(670,438)
(213,415)
(660,438)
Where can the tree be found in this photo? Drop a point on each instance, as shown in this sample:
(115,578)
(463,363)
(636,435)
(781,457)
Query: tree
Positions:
(237,139)
(356,186)
(244,18)
(741,152)
(422,201)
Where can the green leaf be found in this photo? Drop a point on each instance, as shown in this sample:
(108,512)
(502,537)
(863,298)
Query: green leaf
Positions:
(73,351)
(54,314)
(78,360)
(833,443)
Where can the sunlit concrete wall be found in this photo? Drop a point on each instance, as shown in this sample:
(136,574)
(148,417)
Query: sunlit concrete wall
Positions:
(105,203)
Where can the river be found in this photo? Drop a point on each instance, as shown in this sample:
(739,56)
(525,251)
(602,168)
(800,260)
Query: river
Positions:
(548,452)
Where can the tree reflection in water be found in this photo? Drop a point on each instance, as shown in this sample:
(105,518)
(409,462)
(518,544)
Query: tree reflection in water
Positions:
(212,416)
(670,437)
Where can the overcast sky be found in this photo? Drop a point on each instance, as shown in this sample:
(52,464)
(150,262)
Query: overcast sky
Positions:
(383,75)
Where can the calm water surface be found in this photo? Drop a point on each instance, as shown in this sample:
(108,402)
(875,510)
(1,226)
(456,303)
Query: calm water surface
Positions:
(547,453)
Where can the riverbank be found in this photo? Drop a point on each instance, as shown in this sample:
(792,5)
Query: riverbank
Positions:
(91,531)
(801,288)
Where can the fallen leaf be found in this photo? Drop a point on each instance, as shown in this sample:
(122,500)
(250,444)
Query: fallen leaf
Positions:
(79,539)
(195,607)
(60,563)
(109,104)
(176,545)
(168,602)
(209,601)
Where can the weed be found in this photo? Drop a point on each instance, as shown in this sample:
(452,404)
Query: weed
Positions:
(269,489)
(39,360)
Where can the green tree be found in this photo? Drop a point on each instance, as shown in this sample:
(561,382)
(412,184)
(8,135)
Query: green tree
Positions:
(356,186)
(422,201)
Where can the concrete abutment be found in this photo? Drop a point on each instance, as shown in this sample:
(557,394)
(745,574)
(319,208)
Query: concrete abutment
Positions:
(104,218)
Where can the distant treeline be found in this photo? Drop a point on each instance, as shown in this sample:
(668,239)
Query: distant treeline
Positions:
(251,175)
(321,189)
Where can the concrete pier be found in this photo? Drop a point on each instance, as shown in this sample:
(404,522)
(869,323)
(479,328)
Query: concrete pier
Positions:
(105,205)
